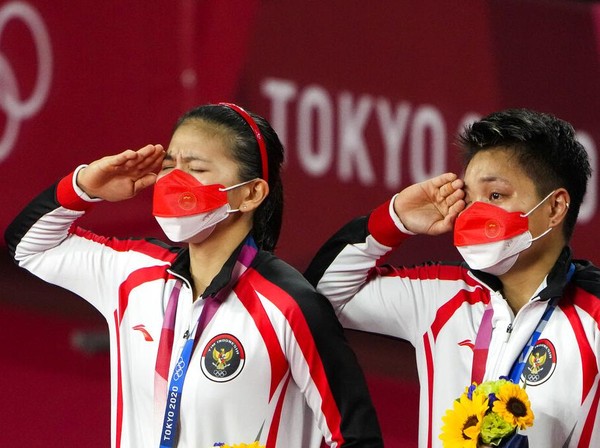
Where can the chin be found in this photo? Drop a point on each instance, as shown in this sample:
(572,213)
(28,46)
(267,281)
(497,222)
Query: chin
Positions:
(200,237)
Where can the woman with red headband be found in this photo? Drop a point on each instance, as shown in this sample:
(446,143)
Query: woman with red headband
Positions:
(218,342)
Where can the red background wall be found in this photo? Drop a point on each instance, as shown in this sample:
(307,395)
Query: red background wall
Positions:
(367,99)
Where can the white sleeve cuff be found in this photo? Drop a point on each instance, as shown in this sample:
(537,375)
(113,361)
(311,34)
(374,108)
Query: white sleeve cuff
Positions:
(82,194)
(396,219)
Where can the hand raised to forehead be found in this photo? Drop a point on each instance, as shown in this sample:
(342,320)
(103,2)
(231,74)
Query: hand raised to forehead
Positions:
(430,207)
(121,176)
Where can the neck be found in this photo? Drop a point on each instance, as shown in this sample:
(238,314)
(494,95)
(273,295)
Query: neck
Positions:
(208,257)
(521,282)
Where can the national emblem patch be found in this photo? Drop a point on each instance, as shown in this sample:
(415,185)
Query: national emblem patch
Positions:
(223,358)
(540,363)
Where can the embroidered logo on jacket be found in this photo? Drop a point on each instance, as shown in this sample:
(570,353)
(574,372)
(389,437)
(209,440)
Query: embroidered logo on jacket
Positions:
(142,329)
(540,363)
(467,343)
(223,358)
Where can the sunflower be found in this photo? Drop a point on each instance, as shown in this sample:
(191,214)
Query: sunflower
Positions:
(513,405)
(462,423)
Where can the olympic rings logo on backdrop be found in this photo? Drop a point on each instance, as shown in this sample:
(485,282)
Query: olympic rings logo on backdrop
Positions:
(14,107)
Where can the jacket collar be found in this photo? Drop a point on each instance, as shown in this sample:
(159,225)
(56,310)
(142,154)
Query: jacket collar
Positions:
(244,253)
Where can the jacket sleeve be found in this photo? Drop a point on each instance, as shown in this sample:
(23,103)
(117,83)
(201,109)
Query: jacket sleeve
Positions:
(370,296)
(343,406)
(346,270)
(44,240)
(320,360)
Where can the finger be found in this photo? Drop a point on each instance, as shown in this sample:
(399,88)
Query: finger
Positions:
(458,184)
(142,160)
(455,196)
(157,165)
(151,159)
(144,182)
(443,179)
(455,209)
(121,159)
(450,189)
(149,150)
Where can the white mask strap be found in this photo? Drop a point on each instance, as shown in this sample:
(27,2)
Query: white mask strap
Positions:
(233,210)
(539,203)
(237,185)
(539,236)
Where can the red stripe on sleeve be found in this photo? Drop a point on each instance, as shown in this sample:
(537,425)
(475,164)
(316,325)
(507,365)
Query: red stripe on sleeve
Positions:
(447,310)
(383,228)
(119,413)
(288,307)
(588,358)
(431,271)
(588,303)
(135,279)
(279,365)
(274,429)
(588,427)
(429,361)
(124,245)
(68,198)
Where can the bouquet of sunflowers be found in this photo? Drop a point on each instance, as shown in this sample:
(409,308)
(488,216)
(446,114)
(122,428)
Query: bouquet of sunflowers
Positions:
(488,414)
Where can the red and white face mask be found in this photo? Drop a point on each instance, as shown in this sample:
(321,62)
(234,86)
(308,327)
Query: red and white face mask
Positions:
(490,238)
(186,209)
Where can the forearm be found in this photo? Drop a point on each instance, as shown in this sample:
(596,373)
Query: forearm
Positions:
(45,222)
(343,265)
(44,240)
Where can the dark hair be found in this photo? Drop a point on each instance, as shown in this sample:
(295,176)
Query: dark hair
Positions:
(545,147)
(269,215)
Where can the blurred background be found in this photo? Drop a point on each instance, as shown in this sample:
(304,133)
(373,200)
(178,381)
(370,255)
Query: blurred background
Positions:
(367,97)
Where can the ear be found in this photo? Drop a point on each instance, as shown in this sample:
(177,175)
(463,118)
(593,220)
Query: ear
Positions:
(559,206)
(254,194)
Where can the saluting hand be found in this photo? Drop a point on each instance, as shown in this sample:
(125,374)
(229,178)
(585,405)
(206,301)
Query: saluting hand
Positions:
(121,176)
(430,207)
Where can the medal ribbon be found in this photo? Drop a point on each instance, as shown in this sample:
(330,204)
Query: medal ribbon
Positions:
(211,305)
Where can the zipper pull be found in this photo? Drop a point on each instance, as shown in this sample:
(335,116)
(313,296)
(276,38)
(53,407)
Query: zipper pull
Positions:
(508,332)
(186,334)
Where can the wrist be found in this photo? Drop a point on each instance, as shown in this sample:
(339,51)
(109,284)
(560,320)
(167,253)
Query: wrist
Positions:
(385,226)
(79,189)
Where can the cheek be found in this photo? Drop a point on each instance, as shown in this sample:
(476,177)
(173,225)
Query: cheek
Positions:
(538,225)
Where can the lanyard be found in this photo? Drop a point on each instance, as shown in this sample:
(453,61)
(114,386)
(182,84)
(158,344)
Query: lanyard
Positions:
(482,345)
(484,337)
(180,371)
(519,365)
(172,406)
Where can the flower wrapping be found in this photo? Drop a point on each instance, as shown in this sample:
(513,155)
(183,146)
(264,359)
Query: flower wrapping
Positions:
(488,414)
(240,445)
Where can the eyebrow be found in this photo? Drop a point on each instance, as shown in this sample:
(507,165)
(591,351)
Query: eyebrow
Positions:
(488,180)
(169,156)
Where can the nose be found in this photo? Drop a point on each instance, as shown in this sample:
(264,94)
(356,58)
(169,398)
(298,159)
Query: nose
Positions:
(179,161)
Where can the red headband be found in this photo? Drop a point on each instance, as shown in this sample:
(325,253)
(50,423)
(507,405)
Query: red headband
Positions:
(259,138)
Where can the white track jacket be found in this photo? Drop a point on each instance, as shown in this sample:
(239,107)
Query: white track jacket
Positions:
(287,377)
(438,308)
